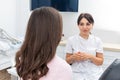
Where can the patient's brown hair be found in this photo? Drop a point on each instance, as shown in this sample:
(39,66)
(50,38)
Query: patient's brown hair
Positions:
(42,37)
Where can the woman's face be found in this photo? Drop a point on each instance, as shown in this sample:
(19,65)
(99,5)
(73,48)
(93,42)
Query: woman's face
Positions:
(85,27)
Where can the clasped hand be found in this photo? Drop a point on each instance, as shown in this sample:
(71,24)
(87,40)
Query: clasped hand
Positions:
(80,56)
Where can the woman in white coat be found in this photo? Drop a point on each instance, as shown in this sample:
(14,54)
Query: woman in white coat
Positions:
(84,51)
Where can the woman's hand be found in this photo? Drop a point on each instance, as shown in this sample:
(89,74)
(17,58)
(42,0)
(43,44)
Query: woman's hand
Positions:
(80,56)
(76,57)
(84,56)
(71,58)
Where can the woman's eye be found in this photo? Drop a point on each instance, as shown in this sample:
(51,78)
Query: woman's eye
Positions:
(88,24)
(81,24)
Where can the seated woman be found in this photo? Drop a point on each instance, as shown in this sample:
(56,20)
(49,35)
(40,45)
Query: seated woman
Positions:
(85,51)
(37,59)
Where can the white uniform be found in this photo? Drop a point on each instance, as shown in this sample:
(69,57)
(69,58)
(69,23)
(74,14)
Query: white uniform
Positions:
(85,70)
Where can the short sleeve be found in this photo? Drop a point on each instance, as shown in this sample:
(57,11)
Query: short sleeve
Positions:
(99,46)
(68,48)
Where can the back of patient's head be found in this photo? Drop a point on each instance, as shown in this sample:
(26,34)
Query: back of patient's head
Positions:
(42,37)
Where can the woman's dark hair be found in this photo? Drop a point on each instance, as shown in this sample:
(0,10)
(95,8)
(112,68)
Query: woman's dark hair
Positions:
(86,16)
(42,37)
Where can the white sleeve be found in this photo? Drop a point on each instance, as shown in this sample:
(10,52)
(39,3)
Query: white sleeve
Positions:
(68,48)
(99,46)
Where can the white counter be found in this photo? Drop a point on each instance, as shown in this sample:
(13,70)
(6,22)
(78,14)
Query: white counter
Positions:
(106,46)
(5,62)
(7,59)
(111,47)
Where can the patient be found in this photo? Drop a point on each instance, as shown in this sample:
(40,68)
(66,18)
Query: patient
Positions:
(37,59)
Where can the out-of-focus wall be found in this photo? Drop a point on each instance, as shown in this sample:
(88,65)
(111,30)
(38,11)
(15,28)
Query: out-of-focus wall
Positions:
(14,16)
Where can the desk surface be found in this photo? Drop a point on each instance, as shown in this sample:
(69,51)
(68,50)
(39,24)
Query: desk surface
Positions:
(106,46)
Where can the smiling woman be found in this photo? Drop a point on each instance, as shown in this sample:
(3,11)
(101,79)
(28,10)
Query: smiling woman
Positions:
(84,51)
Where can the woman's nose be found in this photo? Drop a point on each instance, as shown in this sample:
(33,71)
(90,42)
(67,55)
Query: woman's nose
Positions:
(85,26)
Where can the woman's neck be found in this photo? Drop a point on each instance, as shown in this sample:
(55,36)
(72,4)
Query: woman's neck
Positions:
(84,36)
